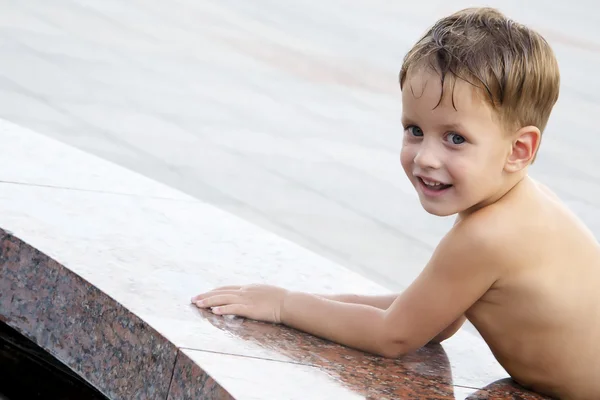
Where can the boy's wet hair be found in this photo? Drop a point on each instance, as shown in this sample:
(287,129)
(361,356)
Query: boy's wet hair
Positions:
(512,64)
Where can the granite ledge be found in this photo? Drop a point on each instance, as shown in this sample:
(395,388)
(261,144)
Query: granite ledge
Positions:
(423,374)
(191,382)
(122,356)
(97,338)
(102,282)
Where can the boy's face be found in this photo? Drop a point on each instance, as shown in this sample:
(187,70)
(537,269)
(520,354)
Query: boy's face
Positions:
(454,155)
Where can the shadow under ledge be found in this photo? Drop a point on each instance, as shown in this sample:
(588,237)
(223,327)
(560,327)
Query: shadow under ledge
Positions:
(29,372)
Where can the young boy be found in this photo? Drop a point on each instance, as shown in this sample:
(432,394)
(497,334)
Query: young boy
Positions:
(477,92)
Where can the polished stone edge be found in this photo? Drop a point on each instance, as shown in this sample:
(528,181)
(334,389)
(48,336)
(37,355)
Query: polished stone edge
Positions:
(96,337)
(123,357)
(192,382)
(504,389)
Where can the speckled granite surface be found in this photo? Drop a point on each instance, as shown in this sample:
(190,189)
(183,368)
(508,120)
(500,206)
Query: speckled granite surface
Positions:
(102,280)
(28,372)
(190,382)
(424,374)
(96,337)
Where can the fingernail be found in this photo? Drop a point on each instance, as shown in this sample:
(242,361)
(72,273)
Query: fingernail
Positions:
(216,310)
(200,303)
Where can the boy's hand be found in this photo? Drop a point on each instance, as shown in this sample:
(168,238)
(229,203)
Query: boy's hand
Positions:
(259,302)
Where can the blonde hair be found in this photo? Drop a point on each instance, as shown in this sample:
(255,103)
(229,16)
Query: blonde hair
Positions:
(513,65)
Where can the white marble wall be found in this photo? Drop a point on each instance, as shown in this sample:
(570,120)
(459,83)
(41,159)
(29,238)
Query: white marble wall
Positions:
(283,113)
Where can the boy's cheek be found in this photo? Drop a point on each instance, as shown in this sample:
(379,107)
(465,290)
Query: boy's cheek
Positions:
(407,155)
(405,166)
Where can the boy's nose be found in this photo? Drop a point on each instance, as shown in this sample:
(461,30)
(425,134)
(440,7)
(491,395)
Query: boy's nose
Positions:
(427,157)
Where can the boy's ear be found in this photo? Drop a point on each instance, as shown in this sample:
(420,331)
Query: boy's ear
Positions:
(525,144)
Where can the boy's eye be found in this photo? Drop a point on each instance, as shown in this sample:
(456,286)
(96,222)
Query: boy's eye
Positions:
(414,130)
(456,138)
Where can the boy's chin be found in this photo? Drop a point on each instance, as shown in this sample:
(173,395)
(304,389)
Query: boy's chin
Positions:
(439,210)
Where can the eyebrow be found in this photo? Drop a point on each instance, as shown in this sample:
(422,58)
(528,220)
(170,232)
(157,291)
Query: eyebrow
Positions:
(406,120)
(455,127)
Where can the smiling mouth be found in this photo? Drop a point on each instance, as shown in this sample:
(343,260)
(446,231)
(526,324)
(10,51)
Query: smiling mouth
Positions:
(433,185)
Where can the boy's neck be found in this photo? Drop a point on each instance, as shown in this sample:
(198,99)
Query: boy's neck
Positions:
(511,183)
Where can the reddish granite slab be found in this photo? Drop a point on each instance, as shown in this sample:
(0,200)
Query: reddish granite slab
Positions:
(122,356)
(119,353)
(505,389)
(244,376)
(102,281)
(97,338)
(425,373)
(29,372)
(190,382)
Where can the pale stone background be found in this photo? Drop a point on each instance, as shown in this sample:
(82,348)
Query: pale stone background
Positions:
(284,113)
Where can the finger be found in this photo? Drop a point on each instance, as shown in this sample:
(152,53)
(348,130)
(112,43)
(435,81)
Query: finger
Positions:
(240,310)
(213,292)
(218,300)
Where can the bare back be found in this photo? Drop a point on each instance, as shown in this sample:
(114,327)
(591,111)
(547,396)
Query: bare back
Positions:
(541,318)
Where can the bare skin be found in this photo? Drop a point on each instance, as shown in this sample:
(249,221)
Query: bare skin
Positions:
(541,318)
(518,264)
(541,321)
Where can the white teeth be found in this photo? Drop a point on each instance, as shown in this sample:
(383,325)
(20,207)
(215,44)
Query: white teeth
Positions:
(431,183)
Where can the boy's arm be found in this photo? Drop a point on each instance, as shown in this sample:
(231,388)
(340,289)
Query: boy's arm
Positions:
(382,302)
(463,267)
(450,330)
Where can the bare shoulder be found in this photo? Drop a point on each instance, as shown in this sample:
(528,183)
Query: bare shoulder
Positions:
(489,230)
(546,190)
(463,267)
(474,249)
(493,236)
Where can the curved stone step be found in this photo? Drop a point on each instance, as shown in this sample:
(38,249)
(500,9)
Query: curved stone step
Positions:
(101,280)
